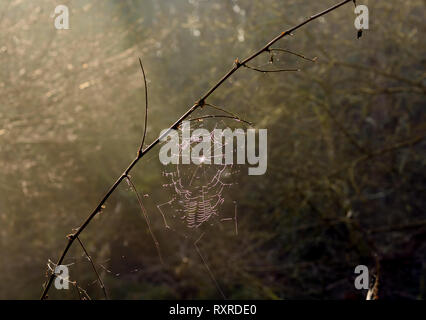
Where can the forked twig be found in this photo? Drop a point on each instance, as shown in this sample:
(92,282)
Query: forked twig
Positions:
(219,116)
(228,115)
(199,103)
(314,59)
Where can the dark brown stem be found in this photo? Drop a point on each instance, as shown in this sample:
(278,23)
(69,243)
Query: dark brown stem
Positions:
(199,103)
(220,116)
(269,71)
(146,107)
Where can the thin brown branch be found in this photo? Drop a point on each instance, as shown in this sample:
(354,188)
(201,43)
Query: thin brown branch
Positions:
(78,291)
(101,284)
(157,245)
(146,107)
(270,71)
(314,59)
(228,112)
(220,116)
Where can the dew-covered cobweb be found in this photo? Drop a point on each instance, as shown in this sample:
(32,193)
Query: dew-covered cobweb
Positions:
(191,201)
(197,191)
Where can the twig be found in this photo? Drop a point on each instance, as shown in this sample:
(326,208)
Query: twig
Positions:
(146,107)
(94,268)
(199,103)
(157,245)
(269,71)
(226,111)
(84,291)
(294,53)
(219,116)
(78,291)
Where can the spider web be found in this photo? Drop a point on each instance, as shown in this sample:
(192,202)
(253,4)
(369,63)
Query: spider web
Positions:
(197,191)
(199,201)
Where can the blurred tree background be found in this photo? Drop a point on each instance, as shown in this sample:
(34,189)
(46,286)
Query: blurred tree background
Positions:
(346,149)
